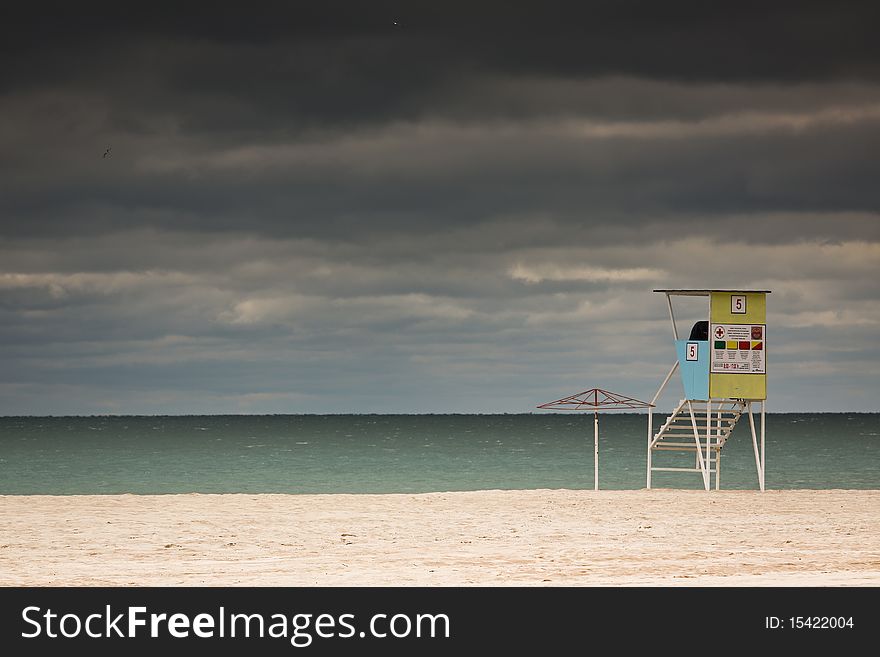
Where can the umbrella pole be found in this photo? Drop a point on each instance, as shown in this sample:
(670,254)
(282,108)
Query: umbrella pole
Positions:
(596,450)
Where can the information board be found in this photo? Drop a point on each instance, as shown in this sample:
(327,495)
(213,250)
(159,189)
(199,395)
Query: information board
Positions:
(738,348)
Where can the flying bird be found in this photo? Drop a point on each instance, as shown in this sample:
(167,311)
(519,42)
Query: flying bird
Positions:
(107,152)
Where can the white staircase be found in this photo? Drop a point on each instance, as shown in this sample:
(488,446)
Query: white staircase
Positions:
(700,428)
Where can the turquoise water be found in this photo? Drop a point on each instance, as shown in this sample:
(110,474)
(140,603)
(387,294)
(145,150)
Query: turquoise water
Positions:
(405,453)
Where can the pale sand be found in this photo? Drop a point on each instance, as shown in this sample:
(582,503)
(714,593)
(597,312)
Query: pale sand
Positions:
(532,538)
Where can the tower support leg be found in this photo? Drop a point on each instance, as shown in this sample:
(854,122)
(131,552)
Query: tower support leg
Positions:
(763,450)
(595,451)
(718,451)
(702,463)
(709,439)
(759,457)
(650,436)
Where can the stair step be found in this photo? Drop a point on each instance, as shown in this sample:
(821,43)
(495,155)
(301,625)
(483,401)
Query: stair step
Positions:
(690,436)
(687,421)
(653,469)
(681,447)
(714,416)
(702,419)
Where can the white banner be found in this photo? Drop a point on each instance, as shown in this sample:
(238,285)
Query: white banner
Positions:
(738,348)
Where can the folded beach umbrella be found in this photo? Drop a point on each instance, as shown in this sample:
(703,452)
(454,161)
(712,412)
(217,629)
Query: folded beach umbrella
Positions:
(595,399)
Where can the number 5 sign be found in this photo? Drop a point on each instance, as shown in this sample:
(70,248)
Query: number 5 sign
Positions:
(693,351)
(737,304)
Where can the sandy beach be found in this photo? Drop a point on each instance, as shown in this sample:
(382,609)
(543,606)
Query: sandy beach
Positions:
(485,538)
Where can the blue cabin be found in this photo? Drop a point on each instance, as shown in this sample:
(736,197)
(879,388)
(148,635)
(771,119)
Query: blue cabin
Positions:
(693,362)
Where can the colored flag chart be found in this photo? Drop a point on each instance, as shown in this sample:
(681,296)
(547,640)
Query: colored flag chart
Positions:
(738,348)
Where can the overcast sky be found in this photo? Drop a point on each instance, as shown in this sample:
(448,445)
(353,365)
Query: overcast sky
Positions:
(429,207)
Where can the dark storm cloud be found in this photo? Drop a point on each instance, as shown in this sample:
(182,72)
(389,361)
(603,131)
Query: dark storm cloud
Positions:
(176,89)
(408,178)
(306,202)
(789,39)
(301,64)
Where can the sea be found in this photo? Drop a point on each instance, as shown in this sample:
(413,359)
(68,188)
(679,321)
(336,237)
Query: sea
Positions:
(409,453)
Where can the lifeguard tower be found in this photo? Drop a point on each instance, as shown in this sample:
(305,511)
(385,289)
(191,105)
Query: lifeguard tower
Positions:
(723,365)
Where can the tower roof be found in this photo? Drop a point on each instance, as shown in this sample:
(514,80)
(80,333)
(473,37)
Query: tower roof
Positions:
(706,293)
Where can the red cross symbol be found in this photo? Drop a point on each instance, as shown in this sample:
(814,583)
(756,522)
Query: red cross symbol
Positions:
(719,332)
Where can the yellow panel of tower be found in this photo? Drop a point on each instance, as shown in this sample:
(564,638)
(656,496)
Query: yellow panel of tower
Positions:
(756,309)
(738,386)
